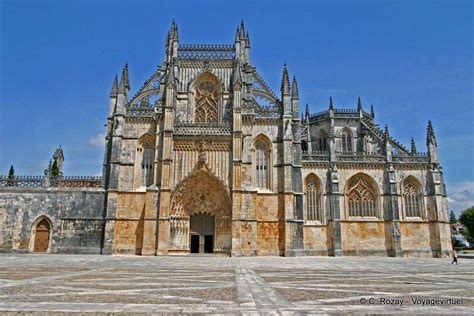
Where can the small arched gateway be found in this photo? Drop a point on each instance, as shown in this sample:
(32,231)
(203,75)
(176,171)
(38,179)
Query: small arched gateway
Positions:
(41,234)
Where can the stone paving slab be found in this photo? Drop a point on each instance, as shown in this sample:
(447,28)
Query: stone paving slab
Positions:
(69,284)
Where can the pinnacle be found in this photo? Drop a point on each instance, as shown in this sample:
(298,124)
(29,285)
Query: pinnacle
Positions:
(413,146)
(331,106)
(114,90)
(359,104)
(307,110)
(285,81)
(430,135)
(294,89)
(242,29)
(124,80)
(372,113)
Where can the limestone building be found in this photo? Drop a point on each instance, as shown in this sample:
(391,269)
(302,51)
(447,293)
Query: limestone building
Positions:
(206,158)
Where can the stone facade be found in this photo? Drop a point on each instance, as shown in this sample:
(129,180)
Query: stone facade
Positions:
(206,158)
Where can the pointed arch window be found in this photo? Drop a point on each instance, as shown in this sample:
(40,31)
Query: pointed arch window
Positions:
(323,141)
(262,164)
(346,141)
(313,211)
(206,102)
(412,198)
(145,161)
(362,197)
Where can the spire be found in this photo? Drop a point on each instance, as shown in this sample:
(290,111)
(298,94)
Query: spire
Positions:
(285,81)
(237,34)
(242,29)
(294,89)
(413,146)
(124,82)
(430,136)
(372,113)
(114,90)
(359,104)
(247,40)
(173,33)
(307,111)
(331,106)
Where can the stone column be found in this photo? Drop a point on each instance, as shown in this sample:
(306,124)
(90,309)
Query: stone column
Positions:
(167,151)
(334,220)
(392,214)
(237,169)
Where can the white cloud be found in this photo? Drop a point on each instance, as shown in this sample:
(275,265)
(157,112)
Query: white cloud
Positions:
(460,196)
(97,141)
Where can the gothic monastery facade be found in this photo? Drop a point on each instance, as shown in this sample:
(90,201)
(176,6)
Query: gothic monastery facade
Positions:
(206,158)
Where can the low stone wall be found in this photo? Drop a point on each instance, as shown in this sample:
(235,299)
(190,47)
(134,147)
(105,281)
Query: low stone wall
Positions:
(75,215)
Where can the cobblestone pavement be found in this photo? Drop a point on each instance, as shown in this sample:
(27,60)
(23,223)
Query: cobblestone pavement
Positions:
(267,285)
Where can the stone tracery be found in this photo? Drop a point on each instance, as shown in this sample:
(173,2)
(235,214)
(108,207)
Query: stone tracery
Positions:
(412,198)
(362,197)
(206,103)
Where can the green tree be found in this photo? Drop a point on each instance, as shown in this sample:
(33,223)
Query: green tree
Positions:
(11,176)
(452,217)
(55,169)
(467,218)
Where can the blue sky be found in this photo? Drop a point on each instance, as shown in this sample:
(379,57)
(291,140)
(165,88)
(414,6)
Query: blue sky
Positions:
(413,60)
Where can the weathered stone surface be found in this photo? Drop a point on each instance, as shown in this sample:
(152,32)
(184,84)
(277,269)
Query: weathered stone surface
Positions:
(51,284)
(75,215)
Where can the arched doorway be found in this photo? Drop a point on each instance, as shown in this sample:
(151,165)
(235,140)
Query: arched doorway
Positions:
(200,215)
(201,233)
(42,233)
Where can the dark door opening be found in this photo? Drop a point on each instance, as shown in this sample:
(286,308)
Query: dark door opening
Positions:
(194,243)
(208,244)
(202,233)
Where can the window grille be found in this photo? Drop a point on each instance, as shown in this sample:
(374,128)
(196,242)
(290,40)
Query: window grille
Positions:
(262,157)
(147,164)
(412,198)
(346,141)
(361,198)
(313,201)
(206,103)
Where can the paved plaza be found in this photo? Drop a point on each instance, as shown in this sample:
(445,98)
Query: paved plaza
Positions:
(210,284)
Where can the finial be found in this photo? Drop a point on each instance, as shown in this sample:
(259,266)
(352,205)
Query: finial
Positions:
(430,136)
(359,104)
(285,82)
(372,113)
(413,146)
(294,89)
(331,106)
(173,32)
(114,90)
